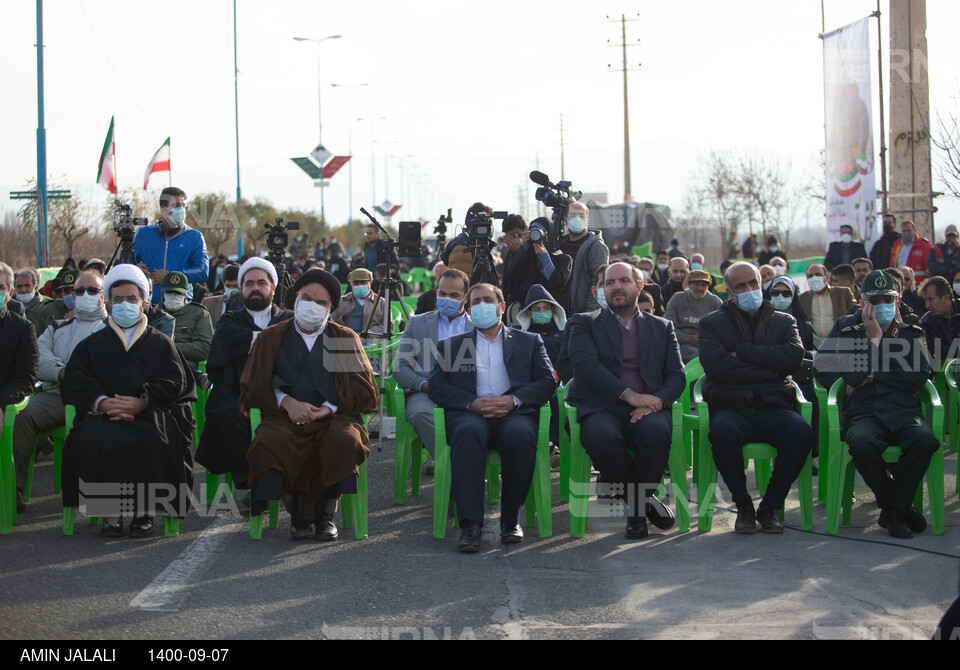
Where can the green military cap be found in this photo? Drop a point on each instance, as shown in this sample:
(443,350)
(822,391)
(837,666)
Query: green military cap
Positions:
(175,282)
(878,283)
(69,278)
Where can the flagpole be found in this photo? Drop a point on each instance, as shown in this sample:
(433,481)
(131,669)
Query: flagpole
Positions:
(169,162)
(113,150)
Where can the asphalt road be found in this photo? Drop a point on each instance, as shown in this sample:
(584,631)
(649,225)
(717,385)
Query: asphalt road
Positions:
(214,582)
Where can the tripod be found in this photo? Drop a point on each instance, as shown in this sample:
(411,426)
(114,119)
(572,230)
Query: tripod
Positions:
(483,268)
(388,288)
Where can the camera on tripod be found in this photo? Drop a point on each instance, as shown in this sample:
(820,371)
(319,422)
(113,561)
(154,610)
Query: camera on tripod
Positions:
(124,220)
(441,227)
(480,227)
(277,237)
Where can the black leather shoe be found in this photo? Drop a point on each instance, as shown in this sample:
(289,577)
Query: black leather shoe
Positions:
(141,526)
(768,520)
(470,539)
(915,521)
(108,530)
(511,534)
(746,523)
(636,528)
(326,529)
(895,524)
(659,514)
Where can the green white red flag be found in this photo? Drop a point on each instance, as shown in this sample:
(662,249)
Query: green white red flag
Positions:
(106,169)
(159,163)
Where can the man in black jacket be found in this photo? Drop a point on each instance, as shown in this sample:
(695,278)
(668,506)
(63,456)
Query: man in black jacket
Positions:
(880,254)
(845,250)
(531,263)
(18,354)
(749,350)
(627,374)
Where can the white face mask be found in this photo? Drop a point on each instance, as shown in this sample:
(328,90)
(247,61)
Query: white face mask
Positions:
(309,315)
(662,267)
(846,238)
(956,287)
(26,297)
(646,276)
(174,303)
(780,269)
(87,303)
(817,284)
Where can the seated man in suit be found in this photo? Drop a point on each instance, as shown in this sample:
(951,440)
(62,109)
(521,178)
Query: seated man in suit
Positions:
(418,347)
(627,373)
(492,382)
(748,350)
(845,250)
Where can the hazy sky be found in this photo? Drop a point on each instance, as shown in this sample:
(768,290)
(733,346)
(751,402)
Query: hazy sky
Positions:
(473,91)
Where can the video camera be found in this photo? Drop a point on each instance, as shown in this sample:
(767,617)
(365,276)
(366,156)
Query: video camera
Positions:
(480,227)
(558,197)
(277,237)
(125,226)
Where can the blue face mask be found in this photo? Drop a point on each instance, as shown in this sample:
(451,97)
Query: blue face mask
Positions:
(576,225)
(3,299)
(696,266)
(484,315)
(448,307)
(601,298)
(178,215)
(885,314)
(125,315)
(781,303)
(750,301)
(229,293)
(69,302)
(361,291)
(542,317)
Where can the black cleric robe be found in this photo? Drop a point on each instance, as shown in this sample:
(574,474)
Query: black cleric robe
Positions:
(226,432)
(154,448)
(319,454)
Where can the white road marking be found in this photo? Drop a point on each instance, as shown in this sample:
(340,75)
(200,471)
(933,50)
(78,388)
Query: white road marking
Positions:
(167,592)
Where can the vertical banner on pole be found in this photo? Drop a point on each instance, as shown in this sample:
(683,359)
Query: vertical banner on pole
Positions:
(850,175)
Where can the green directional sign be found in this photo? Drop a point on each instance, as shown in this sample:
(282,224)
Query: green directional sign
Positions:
(32,195)
(309,167)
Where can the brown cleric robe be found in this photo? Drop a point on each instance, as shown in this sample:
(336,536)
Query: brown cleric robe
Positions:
(322,453)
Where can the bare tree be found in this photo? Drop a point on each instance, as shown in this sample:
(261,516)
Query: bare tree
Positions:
(68,219)
(947,140)
(714,194)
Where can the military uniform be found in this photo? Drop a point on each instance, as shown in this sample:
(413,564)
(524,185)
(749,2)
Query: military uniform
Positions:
(885,407)
(55,310)
(193,330)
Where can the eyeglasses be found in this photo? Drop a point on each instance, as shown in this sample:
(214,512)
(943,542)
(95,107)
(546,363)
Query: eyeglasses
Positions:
(781,294)
(89,291)
(881,300)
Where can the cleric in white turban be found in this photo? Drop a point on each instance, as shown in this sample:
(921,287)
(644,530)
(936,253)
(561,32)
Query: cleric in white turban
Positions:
(134,425)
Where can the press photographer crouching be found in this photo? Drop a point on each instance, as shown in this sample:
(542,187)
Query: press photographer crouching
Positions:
(532,263)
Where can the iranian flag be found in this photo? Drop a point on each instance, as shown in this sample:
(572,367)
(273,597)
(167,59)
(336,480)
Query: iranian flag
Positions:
(107,169)
(159,163)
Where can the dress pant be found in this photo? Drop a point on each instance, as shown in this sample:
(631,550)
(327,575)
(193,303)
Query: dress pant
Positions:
(606,436)
(420,416)
(784,429)
(869,436)
(270,487)
(44,412)
(470,437)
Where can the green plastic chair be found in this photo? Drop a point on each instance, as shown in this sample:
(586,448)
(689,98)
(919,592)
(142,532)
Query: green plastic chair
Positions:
(761,453)
(538,503)
(8,488)
(171,524)
(580,466)
(421,279)
(683,412)
(564,444)
(408,451)
(353,510)
(59,436)
(840,491)
(399,320)
(411,302)
(953,399)
(823,462)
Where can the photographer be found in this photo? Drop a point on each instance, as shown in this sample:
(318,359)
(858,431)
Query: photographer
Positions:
(588,252)
(169,245)
(377,251)
(530,263)
(458,254)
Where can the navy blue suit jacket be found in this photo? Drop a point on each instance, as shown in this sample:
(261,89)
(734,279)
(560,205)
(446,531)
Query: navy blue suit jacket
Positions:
(597,356)
(453,383)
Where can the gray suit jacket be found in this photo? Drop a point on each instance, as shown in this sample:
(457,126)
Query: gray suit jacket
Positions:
(418,349)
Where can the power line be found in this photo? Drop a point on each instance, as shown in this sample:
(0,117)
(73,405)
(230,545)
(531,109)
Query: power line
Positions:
(113,69)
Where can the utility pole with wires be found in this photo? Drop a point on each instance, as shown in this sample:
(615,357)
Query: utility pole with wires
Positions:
(627,196)
(562,170)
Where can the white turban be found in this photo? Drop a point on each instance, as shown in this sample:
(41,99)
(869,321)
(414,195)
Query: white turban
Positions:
(256,263)
(126,272)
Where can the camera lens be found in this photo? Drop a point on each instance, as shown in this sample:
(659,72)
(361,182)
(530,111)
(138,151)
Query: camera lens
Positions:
(536,235)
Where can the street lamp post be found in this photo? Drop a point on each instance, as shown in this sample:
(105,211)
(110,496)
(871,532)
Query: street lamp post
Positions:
(317,42)
(350,164)
(373,158)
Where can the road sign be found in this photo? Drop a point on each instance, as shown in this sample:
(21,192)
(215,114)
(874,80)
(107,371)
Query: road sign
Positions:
(321,183)
(320,154)
(308,166)
(334,166)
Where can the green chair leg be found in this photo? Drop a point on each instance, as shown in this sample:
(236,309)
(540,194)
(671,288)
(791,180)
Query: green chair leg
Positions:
(256,527)
(274,508)
(69,519)
(171,526)
(441,476)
